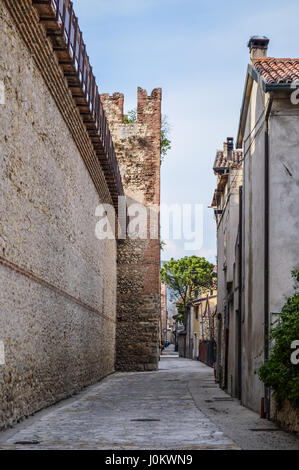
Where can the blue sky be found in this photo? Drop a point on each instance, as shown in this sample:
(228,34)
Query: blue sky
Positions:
(196,51)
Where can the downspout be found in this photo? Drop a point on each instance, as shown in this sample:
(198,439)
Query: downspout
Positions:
(226,329)
(266,246)
(240,293)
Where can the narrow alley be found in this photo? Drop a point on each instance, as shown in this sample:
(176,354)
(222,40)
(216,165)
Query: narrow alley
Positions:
(179,408)
(149,178)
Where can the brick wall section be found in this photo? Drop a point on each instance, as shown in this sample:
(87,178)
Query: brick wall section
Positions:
(58,282)
(138,149)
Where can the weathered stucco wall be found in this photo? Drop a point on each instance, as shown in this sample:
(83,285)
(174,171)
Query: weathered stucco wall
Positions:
(221,290)
(284,207)
(235,181)
(283,230)
(138,149)
(283,217)
(58,282)
(227,232)
(253,253)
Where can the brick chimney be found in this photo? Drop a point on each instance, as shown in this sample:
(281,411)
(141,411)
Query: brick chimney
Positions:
(225,150)
(258,46)
(230,148)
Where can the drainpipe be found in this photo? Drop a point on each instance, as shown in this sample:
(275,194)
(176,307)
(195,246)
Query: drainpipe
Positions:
(266,245)
(240,282)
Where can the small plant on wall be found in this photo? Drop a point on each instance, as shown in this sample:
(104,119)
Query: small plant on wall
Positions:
(131,117)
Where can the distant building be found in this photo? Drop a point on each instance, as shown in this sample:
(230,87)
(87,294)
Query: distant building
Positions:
(228,169)
(203,312)
(196,338)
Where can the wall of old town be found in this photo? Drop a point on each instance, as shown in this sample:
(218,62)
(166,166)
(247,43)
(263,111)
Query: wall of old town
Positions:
(58,281)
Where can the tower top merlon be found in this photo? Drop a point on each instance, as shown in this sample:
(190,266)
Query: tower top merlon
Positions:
(149,106)
(113,107)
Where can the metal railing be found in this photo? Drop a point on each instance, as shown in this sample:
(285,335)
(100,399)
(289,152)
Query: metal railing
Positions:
(65,16)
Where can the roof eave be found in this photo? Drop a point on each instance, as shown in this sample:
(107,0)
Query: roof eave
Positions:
(250,77)
(253,75)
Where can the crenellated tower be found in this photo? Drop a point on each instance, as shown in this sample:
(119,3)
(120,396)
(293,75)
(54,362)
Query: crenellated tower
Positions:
(138,150)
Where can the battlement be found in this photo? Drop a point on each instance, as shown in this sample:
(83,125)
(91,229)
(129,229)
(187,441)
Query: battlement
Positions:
(113,106)
(148,106)
(138,150)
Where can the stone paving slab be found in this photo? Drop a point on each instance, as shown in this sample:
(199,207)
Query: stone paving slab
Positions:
(133,411)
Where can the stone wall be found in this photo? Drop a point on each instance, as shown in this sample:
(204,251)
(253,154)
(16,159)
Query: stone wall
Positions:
(58,282)
(283,217)
(287,417)
(138,149)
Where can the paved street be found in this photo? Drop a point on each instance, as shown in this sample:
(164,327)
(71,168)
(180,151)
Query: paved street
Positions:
(179,408)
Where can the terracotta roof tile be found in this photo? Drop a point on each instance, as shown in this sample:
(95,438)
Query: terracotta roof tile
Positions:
(277,70)
(222,163)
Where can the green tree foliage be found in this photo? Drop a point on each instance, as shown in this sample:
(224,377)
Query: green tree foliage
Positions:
(165,138)
(180,277)
(131,117)
(278,372)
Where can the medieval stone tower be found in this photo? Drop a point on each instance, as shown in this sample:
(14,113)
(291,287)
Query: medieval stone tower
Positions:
(138,150)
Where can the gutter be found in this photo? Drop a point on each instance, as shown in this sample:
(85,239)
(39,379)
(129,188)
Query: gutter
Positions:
(270,87)
(266,247)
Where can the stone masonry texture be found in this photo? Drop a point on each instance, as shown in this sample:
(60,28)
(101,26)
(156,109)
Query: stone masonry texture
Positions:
(138,149)
(58,282)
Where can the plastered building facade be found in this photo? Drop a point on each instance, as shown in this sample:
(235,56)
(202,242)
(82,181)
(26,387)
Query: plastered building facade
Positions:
(226,203)
(269,137)
(260,251)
